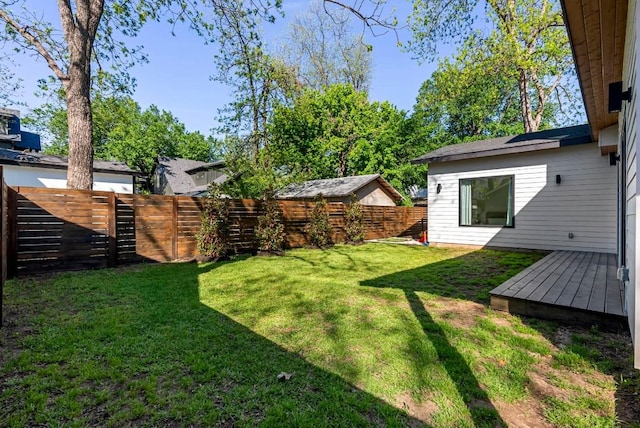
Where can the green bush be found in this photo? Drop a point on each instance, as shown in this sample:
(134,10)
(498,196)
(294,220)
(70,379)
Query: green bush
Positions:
(270,230)
(353,220)
(213,236)
(319,229)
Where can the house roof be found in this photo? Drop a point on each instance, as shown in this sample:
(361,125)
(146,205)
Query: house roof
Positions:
(335,187)
(176,171)
(41,160)
(597,31)
(534,141)
(206,166)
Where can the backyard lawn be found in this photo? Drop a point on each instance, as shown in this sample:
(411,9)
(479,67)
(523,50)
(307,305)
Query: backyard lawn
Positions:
(371,335)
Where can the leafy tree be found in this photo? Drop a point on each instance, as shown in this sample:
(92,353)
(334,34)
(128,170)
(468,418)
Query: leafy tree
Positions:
(527,43)
(144,136)
(124,132)
(326,51)
(258,80)
(354,226)
(340,133)
(213,235)
(91,38)
(270,230)
(319,228)
(315,137)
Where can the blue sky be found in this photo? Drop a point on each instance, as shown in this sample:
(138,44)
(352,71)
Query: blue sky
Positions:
(177,77)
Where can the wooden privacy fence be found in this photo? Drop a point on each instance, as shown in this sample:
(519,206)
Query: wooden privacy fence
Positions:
(60,229)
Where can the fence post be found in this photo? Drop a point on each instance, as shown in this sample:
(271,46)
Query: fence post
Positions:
(174,229)
(12,229)
(113,226)
(3,241)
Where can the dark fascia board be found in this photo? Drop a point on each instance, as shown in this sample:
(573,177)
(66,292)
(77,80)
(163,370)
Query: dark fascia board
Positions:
(534,145)
(487,153)
(58,166)
(212,165)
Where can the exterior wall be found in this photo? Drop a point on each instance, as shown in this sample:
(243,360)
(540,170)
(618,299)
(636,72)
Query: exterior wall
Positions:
(373,194)
(584,204)
(628,122)
(57,178)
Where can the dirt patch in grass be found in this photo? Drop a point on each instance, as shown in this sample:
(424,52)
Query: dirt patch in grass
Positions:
(523,414)
(423,411)
(458,313)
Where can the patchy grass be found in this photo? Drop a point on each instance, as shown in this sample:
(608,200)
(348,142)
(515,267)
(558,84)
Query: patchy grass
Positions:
(381,335)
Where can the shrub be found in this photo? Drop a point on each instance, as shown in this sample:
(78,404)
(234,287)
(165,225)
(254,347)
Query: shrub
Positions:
(353,220)
(319,229)
(213,236)
(270,230)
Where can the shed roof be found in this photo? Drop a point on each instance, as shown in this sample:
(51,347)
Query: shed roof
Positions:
(335,187)
(534,141)
(41,160)
(176,171)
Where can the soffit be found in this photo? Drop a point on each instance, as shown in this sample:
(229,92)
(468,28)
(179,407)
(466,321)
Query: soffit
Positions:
(597,30)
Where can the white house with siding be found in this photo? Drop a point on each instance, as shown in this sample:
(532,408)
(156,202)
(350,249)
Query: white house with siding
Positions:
(547,190)
(604,38)
(593,207)
(34,169)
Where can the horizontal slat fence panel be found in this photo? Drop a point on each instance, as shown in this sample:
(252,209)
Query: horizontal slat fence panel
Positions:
(59,229)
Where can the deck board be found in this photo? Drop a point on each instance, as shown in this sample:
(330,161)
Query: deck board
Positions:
(541,290)
(554,293)
(573,284)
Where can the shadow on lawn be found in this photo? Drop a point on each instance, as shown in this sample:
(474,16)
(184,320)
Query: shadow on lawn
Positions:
(167,356)
(469,277)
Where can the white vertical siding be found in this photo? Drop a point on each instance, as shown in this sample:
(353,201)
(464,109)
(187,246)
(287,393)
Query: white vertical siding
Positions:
(632,287)
(584,204)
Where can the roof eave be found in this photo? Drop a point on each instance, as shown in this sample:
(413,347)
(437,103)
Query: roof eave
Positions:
(488,153)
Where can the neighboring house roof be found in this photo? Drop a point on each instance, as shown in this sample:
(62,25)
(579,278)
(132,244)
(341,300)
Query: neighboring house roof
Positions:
(206,166)
(542,140)
(334,187)
(176,172)
(41,160)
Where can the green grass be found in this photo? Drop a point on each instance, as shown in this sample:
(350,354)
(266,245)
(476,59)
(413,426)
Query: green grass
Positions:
(374,335)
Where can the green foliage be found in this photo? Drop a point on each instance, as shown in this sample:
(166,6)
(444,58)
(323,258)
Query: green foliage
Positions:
(319,228)
(526,48)
(213,235)
(124,132)
(354,225)
(270,230)
(338,133)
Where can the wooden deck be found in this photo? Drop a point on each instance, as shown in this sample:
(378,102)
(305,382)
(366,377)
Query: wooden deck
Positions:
(570,286)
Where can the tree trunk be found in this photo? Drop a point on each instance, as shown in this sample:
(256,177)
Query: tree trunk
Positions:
(80,121)
(525,103)
(79,33)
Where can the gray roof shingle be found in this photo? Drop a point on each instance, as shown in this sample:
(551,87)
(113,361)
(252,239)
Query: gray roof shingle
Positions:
(542,140)
(334,187)
(176,171)
(36,159)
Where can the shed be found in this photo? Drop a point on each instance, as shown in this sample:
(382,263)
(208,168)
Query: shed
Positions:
(34,169)
(369,189)
(548,190)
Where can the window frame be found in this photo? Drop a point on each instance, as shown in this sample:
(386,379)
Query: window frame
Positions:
(513,201)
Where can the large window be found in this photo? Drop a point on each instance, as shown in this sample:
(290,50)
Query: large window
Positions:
(486,201)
